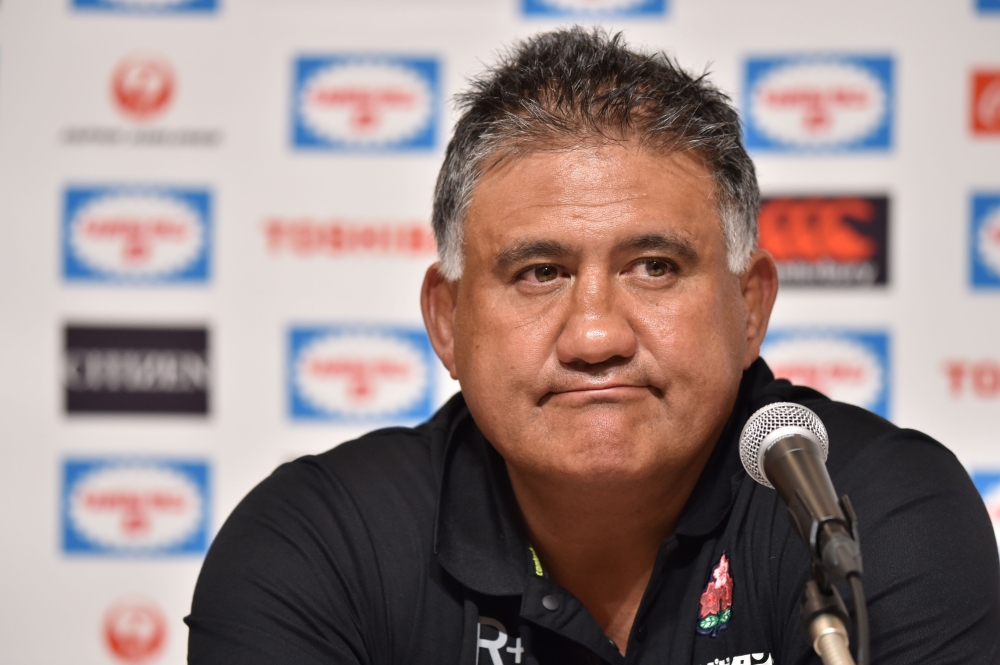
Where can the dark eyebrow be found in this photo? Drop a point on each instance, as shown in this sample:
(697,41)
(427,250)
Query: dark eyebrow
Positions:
(520,252)
(670,243)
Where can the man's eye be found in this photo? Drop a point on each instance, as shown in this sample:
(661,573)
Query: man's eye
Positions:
(656,267)
(545,273)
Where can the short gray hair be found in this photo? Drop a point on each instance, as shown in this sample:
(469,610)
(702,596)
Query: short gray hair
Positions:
(572,87)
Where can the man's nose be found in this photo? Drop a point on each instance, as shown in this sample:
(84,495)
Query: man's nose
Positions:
(596,329)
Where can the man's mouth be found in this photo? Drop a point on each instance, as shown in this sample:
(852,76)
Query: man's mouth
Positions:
(598,393)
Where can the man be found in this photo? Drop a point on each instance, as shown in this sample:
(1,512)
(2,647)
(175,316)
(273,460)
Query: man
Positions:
(602,304)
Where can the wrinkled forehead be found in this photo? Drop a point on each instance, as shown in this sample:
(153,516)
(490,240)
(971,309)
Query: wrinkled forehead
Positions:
(588,172)
(601,197)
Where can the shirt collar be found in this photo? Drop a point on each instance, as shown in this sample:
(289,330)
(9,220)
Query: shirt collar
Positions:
(479,537)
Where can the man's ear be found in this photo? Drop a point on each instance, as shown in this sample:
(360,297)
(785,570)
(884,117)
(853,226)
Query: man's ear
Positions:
(760,288)
(438,297)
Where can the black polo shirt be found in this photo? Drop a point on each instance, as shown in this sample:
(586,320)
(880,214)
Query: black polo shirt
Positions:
(406,546)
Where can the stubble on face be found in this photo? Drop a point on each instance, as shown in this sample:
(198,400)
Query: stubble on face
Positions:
(599,335)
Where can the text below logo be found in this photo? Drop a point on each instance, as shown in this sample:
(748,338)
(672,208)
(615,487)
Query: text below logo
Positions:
(988,484)
(847,366)
(985,241)
(138,234)
(360,373)
(365,103)
(979,378)
(307,237)
(148,6)
(819,103)
(136,370)
(135,506)
(821,241)
(142,86)
(135,630)
(636,8)
(985,105)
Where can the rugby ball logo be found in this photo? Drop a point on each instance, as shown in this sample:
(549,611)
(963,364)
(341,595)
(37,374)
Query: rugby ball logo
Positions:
(134,508)
(361,374)
(146,235)
(365,104)
(806,104)
(848,367)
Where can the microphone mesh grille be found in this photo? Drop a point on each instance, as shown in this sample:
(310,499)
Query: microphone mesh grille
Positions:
(769,418)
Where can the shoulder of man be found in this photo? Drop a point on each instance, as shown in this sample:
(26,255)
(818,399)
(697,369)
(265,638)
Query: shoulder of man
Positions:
(932,576)
(860,439)
(327,555)
(885,468)
(388,478)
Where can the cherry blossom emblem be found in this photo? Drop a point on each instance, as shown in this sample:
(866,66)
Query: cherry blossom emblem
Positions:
(716,600)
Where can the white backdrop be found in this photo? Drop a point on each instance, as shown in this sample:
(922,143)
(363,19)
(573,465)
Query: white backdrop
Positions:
(213,227)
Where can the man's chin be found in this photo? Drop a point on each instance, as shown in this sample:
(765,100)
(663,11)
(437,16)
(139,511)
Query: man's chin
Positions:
(605,451)
(599,421)
(595,442)
(601,467)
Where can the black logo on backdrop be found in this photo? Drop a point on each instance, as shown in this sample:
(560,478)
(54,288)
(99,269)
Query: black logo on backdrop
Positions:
(827,241)
(136,370)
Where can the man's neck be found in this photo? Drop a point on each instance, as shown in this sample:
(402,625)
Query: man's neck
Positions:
(600,540)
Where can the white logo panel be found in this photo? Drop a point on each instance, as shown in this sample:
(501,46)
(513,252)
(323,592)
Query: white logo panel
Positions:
(841,367)
(818,104)
(360,374)
(135,507)
(366,103)
(136,235)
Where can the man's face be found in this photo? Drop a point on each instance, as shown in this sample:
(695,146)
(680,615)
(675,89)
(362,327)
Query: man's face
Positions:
(596,330)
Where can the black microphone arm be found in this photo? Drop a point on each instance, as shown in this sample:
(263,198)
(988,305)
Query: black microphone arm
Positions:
(784,446)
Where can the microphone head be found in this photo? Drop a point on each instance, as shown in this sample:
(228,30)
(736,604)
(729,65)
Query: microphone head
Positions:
(772,423)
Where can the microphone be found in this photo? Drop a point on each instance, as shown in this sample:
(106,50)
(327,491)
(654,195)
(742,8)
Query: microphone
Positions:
(784,446)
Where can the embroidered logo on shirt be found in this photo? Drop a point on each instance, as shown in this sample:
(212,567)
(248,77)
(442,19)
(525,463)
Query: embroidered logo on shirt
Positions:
(716,600)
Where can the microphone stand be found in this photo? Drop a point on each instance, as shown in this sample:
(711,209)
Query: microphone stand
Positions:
(824,615)
(824,618)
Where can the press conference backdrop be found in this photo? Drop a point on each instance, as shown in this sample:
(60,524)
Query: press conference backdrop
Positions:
(215,220)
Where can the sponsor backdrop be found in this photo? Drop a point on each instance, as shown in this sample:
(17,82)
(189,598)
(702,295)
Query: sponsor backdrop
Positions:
(214,220)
